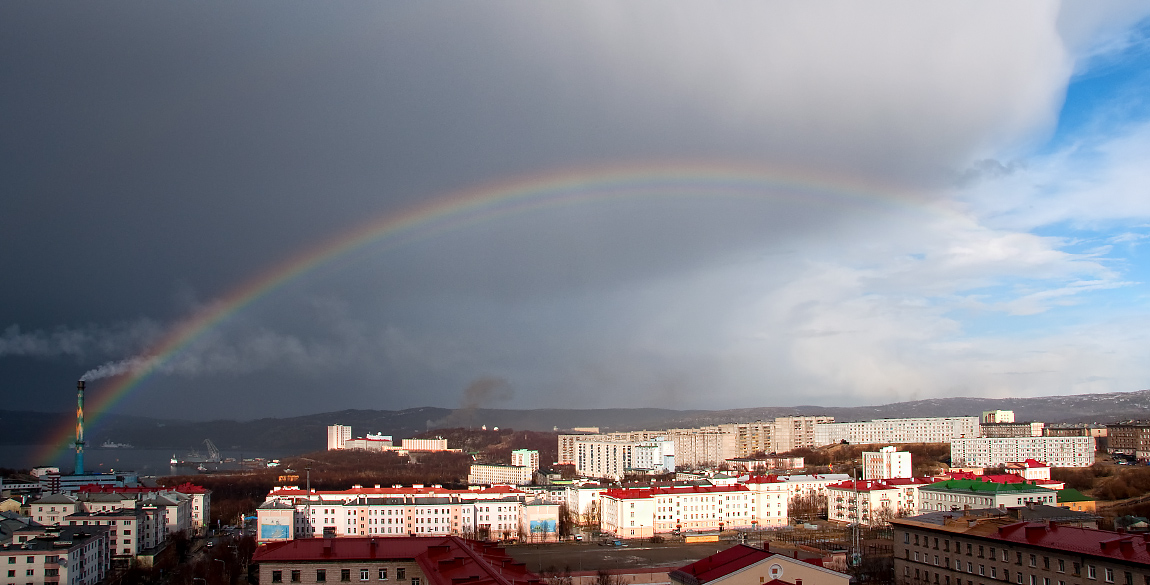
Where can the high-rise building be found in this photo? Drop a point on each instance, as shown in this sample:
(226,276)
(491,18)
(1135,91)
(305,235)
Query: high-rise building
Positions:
(886,463)
(525,458)
(338,436)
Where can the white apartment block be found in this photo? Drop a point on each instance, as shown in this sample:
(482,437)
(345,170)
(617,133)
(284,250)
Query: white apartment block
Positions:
(642,513)
(898,430)
(995,451)
(872,502)
(338,436)
(500,475)
(290,513)
(998,416)
(525,458)
(614,459)
(797,432)
(886,463)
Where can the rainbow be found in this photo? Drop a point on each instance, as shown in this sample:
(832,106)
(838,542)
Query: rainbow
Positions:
(487,202)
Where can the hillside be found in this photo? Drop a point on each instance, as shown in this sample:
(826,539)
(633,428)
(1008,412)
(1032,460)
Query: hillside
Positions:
(307,433)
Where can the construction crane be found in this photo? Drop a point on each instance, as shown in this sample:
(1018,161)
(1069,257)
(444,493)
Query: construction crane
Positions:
(213,452)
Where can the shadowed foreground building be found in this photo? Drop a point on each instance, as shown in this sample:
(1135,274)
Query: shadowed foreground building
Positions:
(413,560)
(747,565)
(965,550)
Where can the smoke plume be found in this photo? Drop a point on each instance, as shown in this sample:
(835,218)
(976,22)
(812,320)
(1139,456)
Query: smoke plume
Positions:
(119,368)
(482,392)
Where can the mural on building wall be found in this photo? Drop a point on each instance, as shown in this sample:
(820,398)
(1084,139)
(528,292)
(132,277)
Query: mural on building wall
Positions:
(542,526)
(274,530)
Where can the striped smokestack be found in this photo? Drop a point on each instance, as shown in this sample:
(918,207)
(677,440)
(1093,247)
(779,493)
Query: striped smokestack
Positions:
(79,428)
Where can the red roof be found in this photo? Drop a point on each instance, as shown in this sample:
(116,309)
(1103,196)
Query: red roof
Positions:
(183,488)
(635,493)
(764,479)
(392,491)
(447,560)
(1103,543)
(723,563)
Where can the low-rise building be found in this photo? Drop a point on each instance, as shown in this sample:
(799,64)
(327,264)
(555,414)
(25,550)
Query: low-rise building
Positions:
(1030,470)
(746,565)
(481,474)
(873,502)
(959,494)
(441,560)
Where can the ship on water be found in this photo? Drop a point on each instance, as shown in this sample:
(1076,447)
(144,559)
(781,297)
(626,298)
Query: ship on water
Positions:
(196,459)
(109,444)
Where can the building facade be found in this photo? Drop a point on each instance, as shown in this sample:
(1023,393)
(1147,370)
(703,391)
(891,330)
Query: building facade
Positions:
(399,561)
(886,463)
(1129,438)
(898,430)
(64,556)
(959,494)
(964,550)
(338,436)
(996,451)
(499,475)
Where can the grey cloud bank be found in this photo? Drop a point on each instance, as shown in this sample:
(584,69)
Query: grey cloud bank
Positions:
(158,156)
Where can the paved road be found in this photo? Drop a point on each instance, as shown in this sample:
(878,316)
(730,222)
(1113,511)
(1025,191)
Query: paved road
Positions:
(591,557)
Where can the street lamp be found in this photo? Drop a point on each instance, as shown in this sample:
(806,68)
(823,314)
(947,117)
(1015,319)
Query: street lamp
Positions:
(223,569)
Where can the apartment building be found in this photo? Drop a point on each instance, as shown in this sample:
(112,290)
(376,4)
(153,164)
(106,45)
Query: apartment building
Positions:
(525,458)
(898,430)
(642,513)
(886,463)
(974,549)
(797,432)
(1012,429)
(873,502)
(63,555)
(338,436)
(479,474)
(289,512)
(996,451)
(615,458)
(1130,438)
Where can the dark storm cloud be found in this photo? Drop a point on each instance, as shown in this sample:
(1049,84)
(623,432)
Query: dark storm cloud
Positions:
(155,156)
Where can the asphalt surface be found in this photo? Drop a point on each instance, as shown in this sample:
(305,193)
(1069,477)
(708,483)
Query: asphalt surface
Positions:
(576,557)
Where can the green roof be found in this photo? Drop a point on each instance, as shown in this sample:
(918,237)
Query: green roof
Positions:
(977,485)
(1073,495)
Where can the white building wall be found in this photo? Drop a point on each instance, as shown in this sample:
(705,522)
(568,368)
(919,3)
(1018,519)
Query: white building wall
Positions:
(886,463)
(337,436)
(898,430)
(995,451)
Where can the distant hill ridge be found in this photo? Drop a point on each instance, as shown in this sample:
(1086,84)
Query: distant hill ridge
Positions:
(308,433)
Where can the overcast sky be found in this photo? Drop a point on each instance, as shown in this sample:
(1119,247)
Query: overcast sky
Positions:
(934,200)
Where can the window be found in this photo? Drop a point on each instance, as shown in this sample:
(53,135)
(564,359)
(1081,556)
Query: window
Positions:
(345,574)
(1109,575)
(321,575)
(1129,578)
(277,576)
(30,572)
(1033,560)
(415,581)
(982,570)
(383,574)
(969,567)
(11,560)
(1091,572)
(295,576)
(980,551)
(969,548)
(400,572)
(1046,563)
(364,574)
(1018,558)
(1061,566)
(994,572)
(11,572)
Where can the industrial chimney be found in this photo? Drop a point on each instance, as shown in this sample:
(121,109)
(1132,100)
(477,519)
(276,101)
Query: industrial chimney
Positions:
(79,428)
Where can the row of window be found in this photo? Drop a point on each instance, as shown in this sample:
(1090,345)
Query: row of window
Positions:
(344,575)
